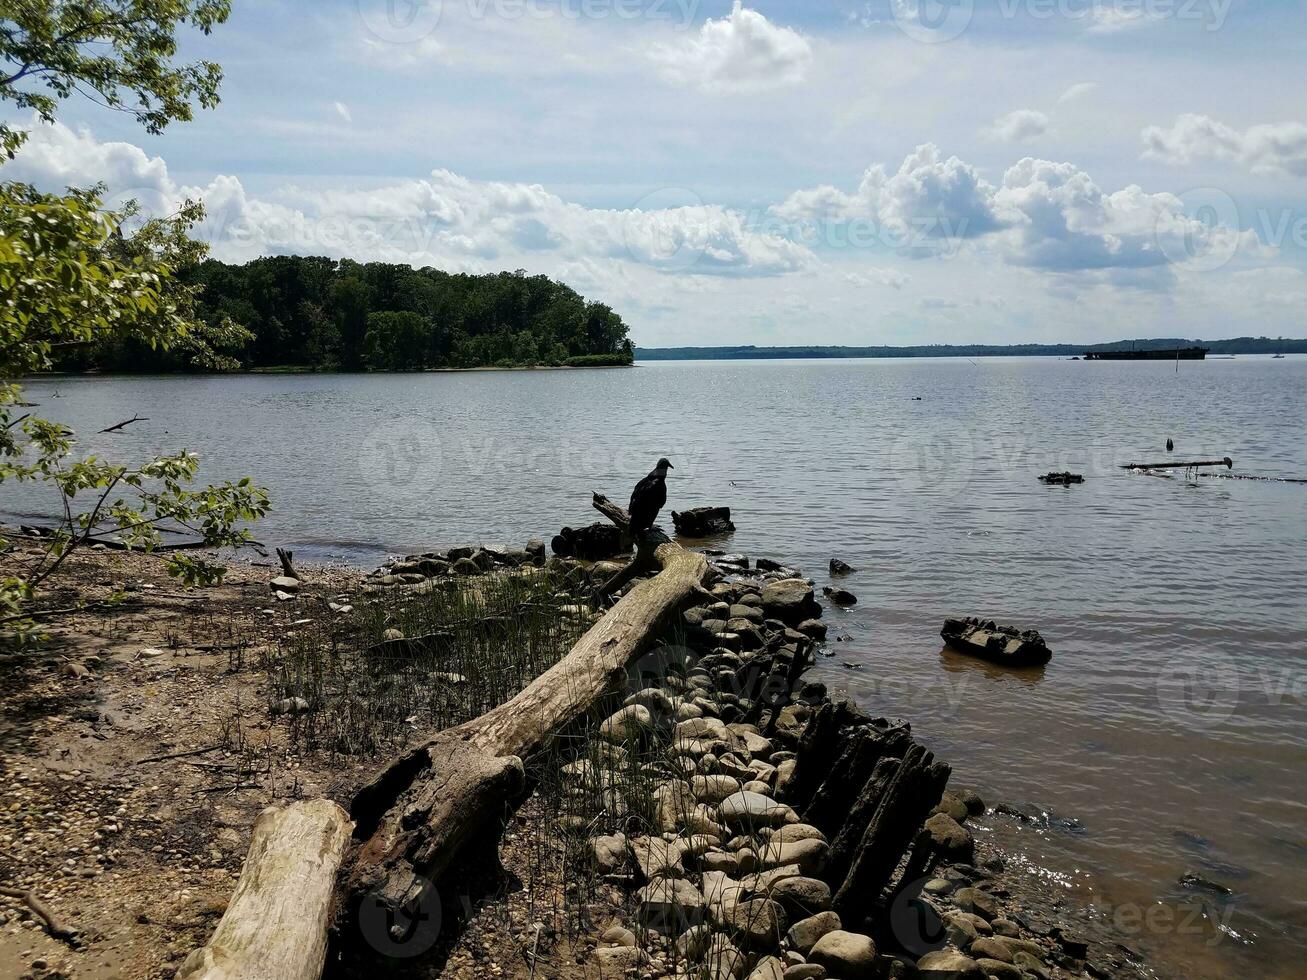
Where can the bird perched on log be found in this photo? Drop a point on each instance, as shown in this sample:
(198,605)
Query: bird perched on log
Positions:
(648,497)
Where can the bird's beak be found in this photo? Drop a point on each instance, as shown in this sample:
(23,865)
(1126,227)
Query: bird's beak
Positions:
(670,466)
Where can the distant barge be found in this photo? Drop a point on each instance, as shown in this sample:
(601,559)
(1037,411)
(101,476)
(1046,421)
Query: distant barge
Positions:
(1173,354)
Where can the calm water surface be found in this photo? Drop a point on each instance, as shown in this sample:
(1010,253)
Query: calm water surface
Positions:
(1169,734)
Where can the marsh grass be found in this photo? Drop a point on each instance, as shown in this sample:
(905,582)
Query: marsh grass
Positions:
(470,644)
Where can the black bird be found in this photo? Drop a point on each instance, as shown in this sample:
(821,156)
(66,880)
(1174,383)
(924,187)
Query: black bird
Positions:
(1169,445)
(648,497)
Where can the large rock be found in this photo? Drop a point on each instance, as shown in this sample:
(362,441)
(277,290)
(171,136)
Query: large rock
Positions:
(713,788)
(790,600)
(949,964)
(805,933)
(847,955)
(982,903)
(615,961)
(758,924)
(950,838)
(634,723)
(658,858)
(809,855)
(802,897)
(768,968)
(669,905)
(754,811)
(610,853)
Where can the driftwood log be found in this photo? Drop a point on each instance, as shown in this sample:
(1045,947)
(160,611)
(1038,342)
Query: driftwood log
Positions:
(276,923)
(414,818)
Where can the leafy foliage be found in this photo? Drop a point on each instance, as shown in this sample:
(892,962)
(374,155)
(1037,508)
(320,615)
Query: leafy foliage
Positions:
(317,313)
(118,53)
(71,280)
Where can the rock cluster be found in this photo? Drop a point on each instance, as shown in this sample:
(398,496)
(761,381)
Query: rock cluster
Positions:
(415,569)
(738,850)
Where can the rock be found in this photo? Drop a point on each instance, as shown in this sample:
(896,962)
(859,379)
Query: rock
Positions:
(634,723)
(753,810)
(1005,927)
(813,629)
(658,858)
(655,700)
(758,923)
(953,806)
(802,896)
(392,635)
(693,943)
(768,968)
(938,886)
(290,706)
(723,961)
(847,955)
(990,947)
(465,566)
(284,583)
(838,567)
(998,970)
(795,831)
(790,600)
(74,670)
(669,905)
(950,838)
(610,853)
(536,549)
(805,971)
(840,597)
(810,856)
(1030,963)
(949,964)
(619,936)
(982,903)
(975,805)
(1199,883)
(803,935)
(713,789)
(959,930)
(703,522)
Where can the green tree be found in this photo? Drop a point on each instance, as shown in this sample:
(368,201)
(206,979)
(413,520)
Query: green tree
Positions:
(70,279)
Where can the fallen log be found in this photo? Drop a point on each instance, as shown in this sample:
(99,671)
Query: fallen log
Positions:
(276,923)
(415,817)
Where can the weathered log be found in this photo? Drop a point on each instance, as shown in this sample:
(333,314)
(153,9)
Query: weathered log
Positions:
(284,556)
(413,819)
(858,757)
(591,543)
(913,791)
(276,923)
(703,522)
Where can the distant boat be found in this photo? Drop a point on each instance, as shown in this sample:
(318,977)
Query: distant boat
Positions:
(1223,357)
(1277,357)
(1155,354)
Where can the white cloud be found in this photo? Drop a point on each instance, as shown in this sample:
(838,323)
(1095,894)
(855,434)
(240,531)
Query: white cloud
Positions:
(1018,126)
(1107,19)
(743,52)
(1076,91)
(876,276)
(1270,148)
(342,110)
(928,197)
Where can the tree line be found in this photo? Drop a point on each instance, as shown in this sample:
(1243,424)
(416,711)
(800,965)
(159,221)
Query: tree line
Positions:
(310,312)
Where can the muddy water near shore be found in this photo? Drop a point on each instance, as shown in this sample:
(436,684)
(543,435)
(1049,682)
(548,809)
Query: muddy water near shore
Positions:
(1167,737)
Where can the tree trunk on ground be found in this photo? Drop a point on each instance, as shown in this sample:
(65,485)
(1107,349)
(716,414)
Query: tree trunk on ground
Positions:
(414,817)
(276,922)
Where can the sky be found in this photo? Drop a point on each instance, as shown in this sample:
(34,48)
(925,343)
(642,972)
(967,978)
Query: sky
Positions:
(798,172)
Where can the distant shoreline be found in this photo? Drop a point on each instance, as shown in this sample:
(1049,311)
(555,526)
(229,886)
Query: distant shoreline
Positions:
(1237,345)
(297,369)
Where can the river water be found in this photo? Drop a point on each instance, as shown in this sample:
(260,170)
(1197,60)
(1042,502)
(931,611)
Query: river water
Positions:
(1168,735)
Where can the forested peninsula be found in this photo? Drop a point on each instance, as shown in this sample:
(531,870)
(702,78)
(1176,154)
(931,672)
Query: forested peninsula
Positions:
(314,313)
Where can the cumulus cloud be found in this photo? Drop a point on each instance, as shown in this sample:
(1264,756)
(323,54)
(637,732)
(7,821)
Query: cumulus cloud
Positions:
(1018,126)
(742,52)
(1270,148)
(1044,215)
(444,219)
(928,197)
(877,276)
